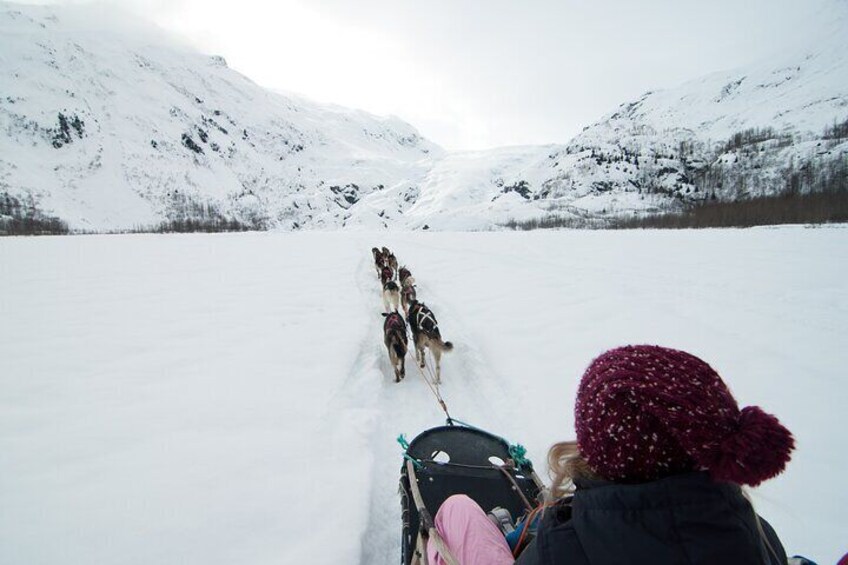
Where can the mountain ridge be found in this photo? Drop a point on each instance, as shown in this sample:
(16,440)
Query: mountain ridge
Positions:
(124,128)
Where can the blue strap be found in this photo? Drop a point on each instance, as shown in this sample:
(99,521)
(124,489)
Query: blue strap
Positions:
(401,439)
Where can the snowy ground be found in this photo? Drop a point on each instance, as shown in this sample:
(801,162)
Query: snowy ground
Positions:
(226,398)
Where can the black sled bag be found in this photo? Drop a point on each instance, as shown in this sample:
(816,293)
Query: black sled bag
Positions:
(455,459)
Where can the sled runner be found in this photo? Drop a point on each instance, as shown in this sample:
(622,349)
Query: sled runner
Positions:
(457,459)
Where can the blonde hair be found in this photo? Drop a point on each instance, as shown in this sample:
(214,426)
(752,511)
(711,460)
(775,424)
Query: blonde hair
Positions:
(565,463)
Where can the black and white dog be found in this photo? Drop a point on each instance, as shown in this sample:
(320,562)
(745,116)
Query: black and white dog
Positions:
(426,334)
(394,336)
(391,291)
(391,296)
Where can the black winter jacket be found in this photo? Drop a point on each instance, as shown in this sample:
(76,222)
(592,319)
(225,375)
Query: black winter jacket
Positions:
(685,519)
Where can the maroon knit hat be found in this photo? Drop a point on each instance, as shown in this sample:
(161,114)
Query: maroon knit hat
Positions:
(644,412)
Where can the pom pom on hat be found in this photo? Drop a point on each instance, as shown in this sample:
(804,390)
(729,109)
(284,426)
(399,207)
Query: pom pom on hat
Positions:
(756,451)
(645,412)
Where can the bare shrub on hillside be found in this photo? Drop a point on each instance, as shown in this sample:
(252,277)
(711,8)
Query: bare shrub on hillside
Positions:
(22,217)
(816,208)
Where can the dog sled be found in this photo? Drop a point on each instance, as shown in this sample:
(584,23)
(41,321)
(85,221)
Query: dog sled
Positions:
(459,459)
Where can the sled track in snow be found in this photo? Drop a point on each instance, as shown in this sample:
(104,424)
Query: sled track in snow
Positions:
(471,390)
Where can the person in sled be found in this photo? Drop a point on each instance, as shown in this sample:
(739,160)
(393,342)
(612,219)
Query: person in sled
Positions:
(655,475)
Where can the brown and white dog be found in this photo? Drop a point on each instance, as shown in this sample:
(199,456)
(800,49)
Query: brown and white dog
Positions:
(379,260)
(407,294)
(391,261)
(391,296)
(394,336)
(403,274)
(426,334)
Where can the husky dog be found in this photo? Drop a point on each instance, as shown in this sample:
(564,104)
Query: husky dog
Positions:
(379,260)
(403,274)
(394,336)
(391,296)
(391,261)
(386,275)
(425,333)
(407,294)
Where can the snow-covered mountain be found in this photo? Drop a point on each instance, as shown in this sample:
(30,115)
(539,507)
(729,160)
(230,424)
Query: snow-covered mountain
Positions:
(110,127)
(110,124)
(778,125)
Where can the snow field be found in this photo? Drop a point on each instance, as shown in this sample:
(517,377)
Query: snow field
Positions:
(165,399)
(228,398)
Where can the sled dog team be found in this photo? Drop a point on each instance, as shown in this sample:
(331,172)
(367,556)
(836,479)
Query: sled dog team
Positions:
(399,292)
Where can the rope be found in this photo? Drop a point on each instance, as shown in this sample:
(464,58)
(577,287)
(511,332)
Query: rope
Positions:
(503,469)
(528,523)
(467,425)
(435,389)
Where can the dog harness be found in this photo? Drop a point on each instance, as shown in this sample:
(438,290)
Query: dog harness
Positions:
(395,322)
(425,314)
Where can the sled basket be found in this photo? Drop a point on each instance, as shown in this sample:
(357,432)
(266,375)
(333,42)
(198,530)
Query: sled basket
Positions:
(452,460)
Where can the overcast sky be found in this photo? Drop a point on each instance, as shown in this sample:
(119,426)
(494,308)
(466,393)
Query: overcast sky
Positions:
(479,74)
